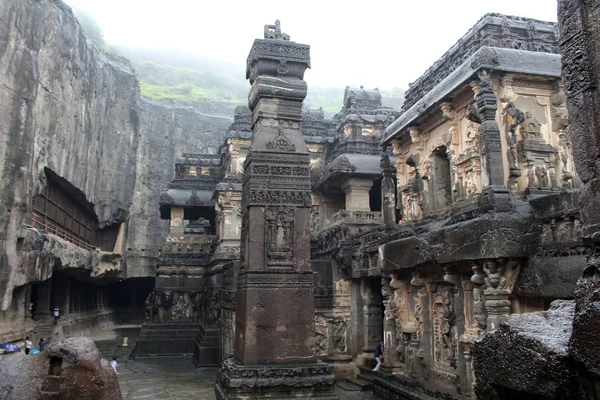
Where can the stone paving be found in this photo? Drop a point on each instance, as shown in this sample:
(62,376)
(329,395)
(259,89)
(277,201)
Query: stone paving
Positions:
(165,378)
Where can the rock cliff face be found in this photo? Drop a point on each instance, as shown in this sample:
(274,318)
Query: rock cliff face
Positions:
(165,134)
(68,106)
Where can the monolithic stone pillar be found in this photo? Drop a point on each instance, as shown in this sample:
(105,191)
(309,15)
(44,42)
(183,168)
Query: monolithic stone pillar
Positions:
(373,316)
(357,194)
(579,23)
(388,190)
(44,290)
(274,347)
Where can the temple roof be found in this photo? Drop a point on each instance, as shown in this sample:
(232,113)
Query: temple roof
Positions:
(349,164)
(500,59)
(492,30)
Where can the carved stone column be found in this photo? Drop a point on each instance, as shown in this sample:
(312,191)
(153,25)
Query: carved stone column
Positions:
(388,190)
(43,306)
(372,316)
(497,303)
(274,347)
(391,359)
(357,194)
(492,170)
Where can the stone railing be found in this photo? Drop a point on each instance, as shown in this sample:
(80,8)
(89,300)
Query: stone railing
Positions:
(369,217)
(189,243)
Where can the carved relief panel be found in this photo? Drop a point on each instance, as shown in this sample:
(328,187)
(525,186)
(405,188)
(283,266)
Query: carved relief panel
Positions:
(279,235)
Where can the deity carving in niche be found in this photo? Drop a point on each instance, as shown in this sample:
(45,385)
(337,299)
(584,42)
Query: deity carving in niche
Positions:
(445,334)
(279,235)
(513,118)
(472,140)
(531,128)
(339,334)
(321,336)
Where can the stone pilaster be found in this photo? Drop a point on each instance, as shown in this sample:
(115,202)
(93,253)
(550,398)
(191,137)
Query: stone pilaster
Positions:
(388,190)
(43,306)
(495,193)
(274,346)
(357,194)
(373,315)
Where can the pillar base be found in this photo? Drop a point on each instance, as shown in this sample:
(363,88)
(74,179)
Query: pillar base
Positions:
(274,381)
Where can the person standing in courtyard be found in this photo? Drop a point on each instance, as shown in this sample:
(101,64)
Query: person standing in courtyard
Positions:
(378,355)
(43,343)
(56,314)
(27,345)
(114,364)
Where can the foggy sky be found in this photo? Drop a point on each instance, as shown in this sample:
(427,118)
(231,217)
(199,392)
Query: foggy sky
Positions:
(376,43)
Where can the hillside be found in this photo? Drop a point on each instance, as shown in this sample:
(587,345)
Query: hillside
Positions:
(207,84)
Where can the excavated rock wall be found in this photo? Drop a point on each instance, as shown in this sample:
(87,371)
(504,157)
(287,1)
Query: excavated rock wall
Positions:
(67,105)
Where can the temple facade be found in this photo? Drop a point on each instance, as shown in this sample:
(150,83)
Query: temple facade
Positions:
(306,241)
(432,224)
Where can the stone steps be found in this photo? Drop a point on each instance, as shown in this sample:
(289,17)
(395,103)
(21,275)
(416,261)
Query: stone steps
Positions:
(167,339)
(50,388)
(360,382)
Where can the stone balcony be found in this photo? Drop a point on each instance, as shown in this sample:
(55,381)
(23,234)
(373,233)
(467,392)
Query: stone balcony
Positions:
(189,243)
(366,217)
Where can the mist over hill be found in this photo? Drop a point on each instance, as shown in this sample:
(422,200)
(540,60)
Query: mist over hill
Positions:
(210,85)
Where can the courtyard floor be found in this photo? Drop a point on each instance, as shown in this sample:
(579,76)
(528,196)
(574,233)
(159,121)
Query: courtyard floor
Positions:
(164,378)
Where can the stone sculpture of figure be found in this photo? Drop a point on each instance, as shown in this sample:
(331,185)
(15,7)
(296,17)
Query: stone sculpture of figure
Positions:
(189,308)
(479,309)
(339,334)
(197,303)
(494,271)
(448,317)
(149,306)
(179,307)
(514,117)
(166,306)
(274,32)
(158,308)
(542,176)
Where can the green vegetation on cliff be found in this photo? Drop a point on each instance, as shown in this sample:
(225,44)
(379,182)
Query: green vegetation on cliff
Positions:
(193,80)
(209,85)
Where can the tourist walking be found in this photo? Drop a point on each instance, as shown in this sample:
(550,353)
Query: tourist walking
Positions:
(27,345)
(114,364)
(378,355)
(43,343)
(56,314)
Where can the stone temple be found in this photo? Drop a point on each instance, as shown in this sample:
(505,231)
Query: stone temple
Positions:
(461,230)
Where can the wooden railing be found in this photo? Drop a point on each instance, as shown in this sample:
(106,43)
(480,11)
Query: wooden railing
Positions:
(44,224)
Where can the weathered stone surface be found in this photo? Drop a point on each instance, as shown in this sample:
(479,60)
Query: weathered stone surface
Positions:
(22,376)
(82,374)
(579,23)
(70,369)
(529,353)
(72,108)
